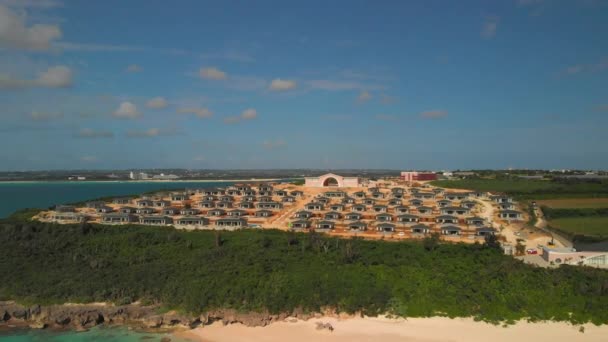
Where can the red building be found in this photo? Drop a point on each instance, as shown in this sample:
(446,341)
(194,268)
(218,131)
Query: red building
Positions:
(410,176)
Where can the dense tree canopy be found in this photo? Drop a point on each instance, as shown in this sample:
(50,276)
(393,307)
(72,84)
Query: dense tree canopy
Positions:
(256,270)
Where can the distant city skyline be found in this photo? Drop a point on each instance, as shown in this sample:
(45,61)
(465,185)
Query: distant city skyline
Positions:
(426,85)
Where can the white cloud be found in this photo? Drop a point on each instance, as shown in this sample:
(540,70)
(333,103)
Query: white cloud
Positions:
(157,103)
(91,133)
(199,112)
(14,32)
(269,144)
(133,68)
(44,116)
(67,46)
(212,74)
(490,25)
(41,4)
(282,85)
(127,110)
(54,77)
(151,133)
(434,114)
(199,158)
(249,114)
(364,96)
(590,68)
(341,85)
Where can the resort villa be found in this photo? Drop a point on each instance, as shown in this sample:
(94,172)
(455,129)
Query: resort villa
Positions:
(330,203)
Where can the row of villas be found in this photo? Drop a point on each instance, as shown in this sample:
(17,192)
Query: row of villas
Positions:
(385,227)
(362,210)
(159,220)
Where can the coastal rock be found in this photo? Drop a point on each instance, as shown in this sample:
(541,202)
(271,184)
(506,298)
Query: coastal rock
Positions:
(153,322)
(37,325)
(20,314)
(35,310)
(325,326)
(4,316)
(63,320)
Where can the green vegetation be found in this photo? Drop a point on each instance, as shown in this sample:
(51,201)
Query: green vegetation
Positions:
(552,214)
(298,181)
(523,189)
(579,223)
(256,270)
(588,226)
(575,203)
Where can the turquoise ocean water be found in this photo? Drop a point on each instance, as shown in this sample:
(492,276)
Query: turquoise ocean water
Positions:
(18,195)
(96,334)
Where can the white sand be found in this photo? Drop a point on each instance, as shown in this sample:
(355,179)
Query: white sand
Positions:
(436,329)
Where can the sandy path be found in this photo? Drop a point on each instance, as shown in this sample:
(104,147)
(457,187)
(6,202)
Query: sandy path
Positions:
(436,329)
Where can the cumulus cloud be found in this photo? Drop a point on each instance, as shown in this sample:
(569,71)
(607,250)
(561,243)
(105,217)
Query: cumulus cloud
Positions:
(157,103)
(133,68)
(490,25)
(54,77)
(282,85)
(91,133)
(364,96)
(199,112)
(150,133)
(126,110)
(270,144)
(14,32)
(434,114)
(247,114)
(212,74)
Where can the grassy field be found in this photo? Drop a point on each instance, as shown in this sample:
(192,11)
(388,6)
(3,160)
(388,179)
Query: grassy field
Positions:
(525,189)
(578,203)
(590,226)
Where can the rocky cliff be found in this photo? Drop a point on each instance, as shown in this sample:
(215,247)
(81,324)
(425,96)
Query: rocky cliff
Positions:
(85,316)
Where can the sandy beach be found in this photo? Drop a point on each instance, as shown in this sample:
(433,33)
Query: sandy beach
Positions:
(436,329)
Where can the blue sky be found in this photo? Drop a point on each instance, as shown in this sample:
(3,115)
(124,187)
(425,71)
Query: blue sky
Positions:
(303,84)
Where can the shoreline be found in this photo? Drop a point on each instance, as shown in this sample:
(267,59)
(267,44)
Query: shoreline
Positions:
(146,181)
(372,329)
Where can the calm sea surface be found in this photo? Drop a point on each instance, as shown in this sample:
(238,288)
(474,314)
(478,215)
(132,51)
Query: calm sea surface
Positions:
(19,195)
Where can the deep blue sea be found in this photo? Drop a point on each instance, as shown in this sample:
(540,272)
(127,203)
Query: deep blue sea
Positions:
(19,195)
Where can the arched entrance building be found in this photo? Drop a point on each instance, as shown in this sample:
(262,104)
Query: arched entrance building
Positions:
(332,180)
